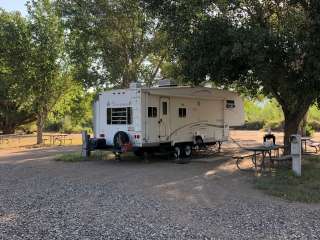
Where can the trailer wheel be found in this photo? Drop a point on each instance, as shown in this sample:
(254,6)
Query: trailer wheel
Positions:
(199,143)
(187,151)
(177,152)
(179,155)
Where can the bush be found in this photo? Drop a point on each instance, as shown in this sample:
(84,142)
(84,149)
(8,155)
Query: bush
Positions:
(315,125)
(53,126)
(254,125)
(274,125)
(309,130)
(28,128)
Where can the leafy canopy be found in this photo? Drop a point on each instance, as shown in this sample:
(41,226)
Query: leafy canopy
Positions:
(270,47)
(112,43)
(15,81)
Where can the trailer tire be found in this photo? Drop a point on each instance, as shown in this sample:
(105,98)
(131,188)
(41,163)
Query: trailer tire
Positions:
(179,155)
(199,143)
(187,150)
(120,138)
(177,152)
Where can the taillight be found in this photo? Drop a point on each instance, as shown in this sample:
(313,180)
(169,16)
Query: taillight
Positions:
(136,136)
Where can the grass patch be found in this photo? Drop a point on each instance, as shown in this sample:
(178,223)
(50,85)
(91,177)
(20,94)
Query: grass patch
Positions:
(70,157)
(284,184)
(76,157)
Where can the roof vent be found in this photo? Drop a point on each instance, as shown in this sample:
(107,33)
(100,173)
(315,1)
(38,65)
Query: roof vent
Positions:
(167,83)
(135,85)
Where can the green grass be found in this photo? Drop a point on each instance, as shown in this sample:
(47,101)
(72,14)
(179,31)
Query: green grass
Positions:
(76,157)
(284,184)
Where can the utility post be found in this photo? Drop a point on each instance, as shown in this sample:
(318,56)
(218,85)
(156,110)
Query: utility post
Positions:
(296,154)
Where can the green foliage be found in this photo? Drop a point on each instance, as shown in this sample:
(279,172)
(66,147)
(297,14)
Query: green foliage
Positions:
(314,114)
(314,124)
(309,130)
(113,43)
(284,184)
(269,47)
(73,112)
(70,157)
(77,157)
(263,114)
(16,98)
(49,77)
(28,128)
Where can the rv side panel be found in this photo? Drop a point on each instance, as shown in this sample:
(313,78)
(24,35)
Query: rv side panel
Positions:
(191,117)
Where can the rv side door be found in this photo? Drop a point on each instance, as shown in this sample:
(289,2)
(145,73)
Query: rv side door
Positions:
(164,120)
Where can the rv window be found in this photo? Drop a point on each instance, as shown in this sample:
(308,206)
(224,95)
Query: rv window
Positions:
(152,112)
(164,108)
(182,112)
(119,115)
(230,104)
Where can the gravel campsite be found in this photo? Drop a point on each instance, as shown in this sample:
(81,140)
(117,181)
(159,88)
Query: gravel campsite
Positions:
(41,198)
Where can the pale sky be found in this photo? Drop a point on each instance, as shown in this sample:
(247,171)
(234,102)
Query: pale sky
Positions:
(14,5)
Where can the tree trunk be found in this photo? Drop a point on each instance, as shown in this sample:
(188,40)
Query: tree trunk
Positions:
(303,125)
(291,126)
(40,123)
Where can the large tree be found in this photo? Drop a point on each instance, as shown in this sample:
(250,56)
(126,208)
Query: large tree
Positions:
(267,46)
(15,92)
(49,69)
(113,43)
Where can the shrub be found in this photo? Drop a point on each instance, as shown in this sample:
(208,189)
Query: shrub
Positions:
(274,125)
(309,130)
(28,128)
(252,125)
(314,124)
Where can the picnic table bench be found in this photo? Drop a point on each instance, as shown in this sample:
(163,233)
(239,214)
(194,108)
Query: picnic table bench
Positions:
(240,158)
(57,138)
(263,150)
(313,144)
(4,139)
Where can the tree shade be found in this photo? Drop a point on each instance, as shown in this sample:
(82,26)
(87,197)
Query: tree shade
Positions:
(269,47)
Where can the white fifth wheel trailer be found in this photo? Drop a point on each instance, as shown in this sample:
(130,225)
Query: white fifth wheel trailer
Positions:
(168,117)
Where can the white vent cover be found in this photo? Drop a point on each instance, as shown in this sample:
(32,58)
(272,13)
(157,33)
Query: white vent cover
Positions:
(167,83)
(135,85)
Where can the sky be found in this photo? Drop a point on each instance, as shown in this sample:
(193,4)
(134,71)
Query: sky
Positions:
(14,5)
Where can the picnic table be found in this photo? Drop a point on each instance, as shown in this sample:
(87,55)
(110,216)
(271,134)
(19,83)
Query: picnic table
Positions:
(263,150)
(53,138)
(304,141)
(4,139)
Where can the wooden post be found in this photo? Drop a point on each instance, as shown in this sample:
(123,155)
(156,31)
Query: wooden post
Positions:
(85,144)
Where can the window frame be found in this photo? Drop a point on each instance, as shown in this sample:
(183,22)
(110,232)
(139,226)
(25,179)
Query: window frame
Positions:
(164,108)
(182,112)
(115,115)
(230,104)
(152,112)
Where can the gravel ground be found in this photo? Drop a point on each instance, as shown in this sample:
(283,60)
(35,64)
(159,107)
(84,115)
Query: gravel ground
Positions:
(44,199)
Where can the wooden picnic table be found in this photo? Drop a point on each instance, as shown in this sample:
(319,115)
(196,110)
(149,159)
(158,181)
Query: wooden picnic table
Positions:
(53,138)
(263,150)
(4,139)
